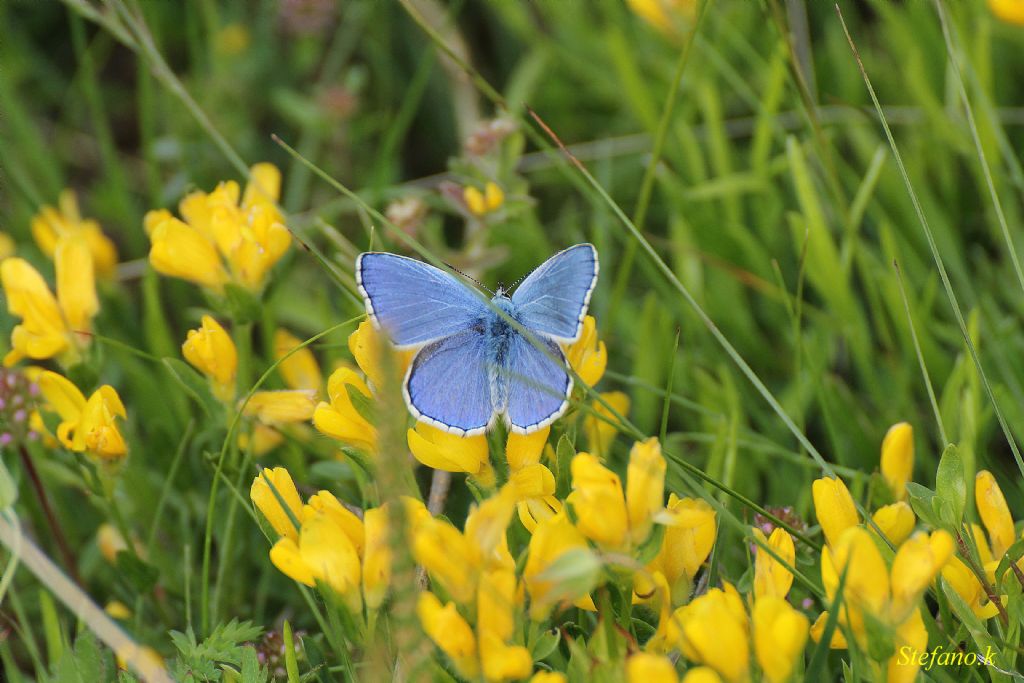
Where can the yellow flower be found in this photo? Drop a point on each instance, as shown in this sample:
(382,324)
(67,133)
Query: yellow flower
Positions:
(87,426)
(714,630)
(450,558)
(324,552)
(897,460)
(299,370)
(263,497)
(834,507)
(896,521)
(645,487)
(110,542)
(689,537)
(969,588)
(480,203)
(220,239)
(549,677)
(533,511)
(377,552)
(7,246)
(340,418)
(647,668)
(598,503)
(701,674)
(780,633)
(443,451)
(838,641)
(599,432)
(51,224)
(496,605)
(232,39)
(118,610)
(867,578)
(1010,11)
(588,355)
(772,578)
(664,15)
(49,324)
(366,344)
(533,481)
(522,450)
(911,634)
(446,627)
(994,513)
(210,350)
(553,538)
(324,503)
(282,406)
(486,525)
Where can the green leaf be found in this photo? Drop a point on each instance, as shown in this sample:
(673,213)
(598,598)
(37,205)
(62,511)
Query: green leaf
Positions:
(564,453)
(194,384)
(649,548)
(251,670)
(88,658)
(141,575)
(363,404)
(8,489)
(243,306)
(951,487)
(545,644)
(922,501)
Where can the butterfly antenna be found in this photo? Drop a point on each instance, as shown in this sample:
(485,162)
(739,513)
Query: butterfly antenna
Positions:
(516,283)
(469,277)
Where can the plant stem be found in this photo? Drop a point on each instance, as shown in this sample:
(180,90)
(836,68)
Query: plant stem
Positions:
(59,538)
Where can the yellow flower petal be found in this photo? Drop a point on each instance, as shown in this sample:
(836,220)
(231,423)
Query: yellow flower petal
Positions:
(267,503)
(897,461)
(834,507)
(299,370)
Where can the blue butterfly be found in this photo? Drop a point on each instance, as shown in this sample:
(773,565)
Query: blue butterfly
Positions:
(471,365)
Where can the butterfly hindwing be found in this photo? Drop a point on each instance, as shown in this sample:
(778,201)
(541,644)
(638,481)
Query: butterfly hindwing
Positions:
(538,384)
(553,299)
(448,384)
(413,301)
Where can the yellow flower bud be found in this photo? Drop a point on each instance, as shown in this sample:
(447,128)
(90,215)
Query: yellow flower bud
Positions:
(7,246)
(1010,11)
(283,406)
(648,668)
(325,553)
(110,542)
(772,578)
(714,630)
(449,452)
(552,538)
(780,633)
(480,203)
(210,350)
(340,418)
(118,610)
(994,513)
(588,355)
(969,588)
(897,460)
(701,674)
(645,488)
(446,627)
(896,521)
(263,497)
(522,450)
(299,370)
(834,507)
(689,537)
(598,503)
(600,432)
(549,677)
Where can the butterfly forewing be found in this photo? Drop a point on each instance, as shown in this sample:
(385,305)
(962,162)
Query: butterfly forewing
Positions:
(553,300)
(413,301)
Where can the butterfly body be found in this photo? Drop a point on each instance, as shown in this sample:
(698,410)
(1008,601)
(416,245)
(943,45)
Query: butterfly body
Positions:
(478,361)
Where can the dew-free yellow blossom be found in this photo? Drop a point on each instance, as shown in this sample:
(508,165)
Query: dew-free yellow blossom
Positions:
(645,488)
(644,667)
(325,503)
(969,588)
(263,497)
(87,425)
(366,345)
(689,537)
(714,630)
(110,542)
(7,246)
(994,513)
(533,481)
(449,557)
(918,561)
(588,355)
(281,406)
(340,418)
(377,552)
(911,634)
(897,461)
(300,370)
(440,450)
(896,521)
(834,507)
(324,552)
(450,632)
(780,633)
(771,577)
(117,610)
(600,428)
(219,239)
(664,15)
(49,324)
(496,606)
(211,351)
(52,224)
(701,674)
(522,450)
(1010,11)
(549,677)
(552,539)
(532,511)
(480,203)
